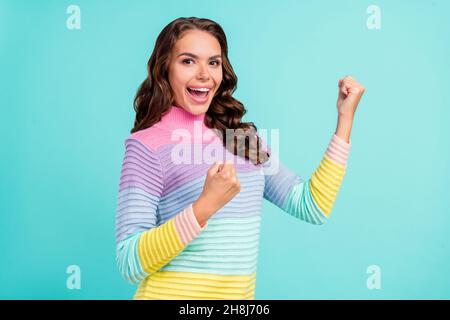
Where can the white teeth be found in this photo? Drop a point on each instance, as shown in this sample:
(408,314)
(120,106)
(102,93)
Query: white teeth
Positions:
(200,89)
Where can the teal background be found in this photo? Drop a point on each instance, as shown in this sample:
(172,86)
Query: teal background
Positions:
(66,108)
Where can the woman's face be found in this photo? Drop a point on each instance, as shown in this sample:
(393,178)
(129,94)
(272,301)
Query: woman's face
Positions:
(195,70)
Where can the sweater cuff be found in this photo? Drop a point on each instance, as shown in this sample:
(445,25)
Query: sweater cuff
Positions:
(338,150)
(187,225)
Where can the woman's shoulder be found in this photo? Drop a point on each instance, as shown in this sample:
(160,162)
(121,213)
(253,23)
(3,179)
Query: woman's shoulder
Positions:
(152,137)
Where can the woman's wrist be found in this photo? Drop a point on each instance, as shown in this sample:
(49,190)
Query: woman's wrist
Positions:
(344,127)
(201,211)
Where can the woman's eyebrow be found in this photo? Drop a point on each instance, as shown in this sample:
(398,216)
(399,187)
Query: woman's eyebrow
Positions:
(196,57)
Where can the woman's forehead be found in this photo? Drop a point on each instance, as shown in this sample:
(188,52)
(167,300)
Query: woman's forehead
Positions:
(199,43)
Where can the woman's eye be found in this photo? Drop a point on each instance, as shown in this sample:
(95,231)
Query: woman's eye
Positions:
(214,62)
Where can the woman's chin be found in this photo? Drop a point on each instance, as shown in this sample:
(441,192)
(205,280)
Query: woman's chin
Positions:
(198,109)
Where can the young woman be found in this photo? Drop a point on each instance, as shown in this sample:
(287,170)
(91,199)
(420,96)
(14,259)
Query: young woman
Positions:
(190,195)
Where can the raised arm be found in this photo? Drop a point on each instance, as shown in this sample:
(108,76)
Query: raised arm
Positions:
(309,200)
(312,200)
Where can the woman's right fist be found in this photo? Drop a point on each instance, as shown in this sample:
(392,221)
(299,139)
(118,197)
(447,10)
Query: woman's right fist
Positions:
(221,185)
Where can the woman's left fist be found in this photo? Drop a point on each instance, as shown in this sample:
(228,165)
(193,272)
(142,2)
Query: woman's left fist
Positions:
(350,92)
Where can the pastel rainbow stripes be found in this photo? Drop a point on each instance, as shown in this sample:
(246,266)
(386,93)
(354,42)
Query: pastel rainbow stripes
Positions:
(160,244)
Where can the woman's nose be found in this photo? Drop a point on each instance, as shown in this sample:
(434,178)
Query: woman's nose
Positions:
(203,72)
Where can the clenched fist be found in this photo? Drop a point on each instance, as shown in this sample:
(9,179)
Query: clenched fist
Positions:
(350,92)
(221,185)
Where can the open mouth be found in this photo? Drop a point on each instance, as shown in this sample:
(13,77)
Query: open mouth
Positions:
(199,94)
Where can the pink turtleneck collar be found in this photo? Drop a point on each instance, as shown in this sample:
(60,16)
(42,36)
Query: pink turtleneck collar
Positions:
(177,117)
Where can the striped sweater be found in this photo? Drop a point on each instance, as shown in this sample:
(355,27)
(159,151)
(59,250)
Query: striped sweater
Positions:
(160,244)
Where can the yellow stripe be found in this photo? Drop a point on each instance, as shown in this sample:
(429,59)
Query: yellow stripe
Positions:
(325,179)
(325,175)
(190,285)
(159,245)
(175,296)
(325,183)
(321,188)
(321,203)
(334,166)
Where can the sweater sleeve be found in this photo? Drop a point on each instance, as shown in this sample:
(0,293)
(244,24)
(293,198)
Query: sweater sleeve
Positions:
(142,246)
(311,200)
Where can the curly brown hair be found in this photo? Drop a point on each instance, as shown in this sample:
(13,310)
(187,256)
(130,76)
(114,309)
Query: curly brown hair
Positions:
(155,96)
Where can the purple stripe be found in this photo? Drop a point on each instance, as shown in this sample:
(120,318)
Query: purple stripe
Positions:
(141,169)
(177,175)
